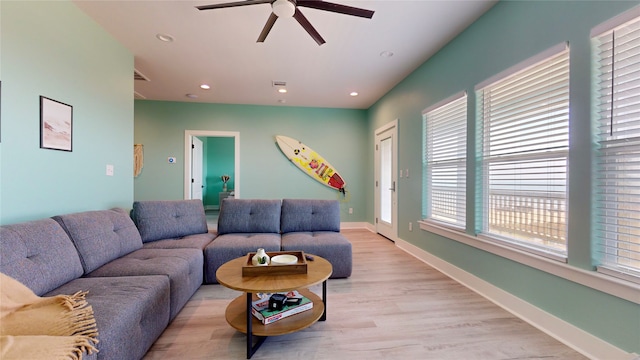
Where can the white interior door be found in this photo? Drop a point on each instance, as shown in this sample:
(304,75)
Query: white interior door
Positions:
(196,168)
(386,145)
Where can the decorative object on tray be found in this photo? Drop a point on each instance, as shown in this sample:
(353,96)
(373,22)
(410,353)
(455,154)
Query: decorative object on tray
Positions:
(285,259)
(297,267)
(260,258)
(295,303)
(225,178)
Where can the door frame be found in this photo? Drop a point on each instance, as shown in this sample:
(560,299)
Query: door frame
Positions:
(188,134)
(392,125)
(192,184)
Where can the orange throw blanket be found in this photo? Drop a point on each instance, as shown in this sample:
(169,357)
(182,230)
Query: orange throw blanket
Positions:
(33,327)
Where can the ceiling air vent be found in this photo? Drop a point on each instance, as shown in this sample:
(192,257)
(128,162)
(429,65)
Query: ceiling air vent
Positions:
(137,75)
(279,83)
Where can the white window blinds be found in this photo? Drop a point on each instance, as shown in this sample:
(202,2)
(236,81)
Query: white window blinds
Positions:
(525,142)
(617,84)
(445,161)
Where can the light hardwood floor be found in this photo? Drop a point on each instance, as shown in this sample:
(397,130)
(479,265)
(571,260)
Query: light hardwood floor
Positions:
(392,307)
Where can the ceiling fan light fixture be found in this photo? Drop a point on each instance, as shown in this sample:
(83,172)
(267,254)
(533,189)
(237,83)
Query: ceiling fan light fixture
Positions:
(283,8)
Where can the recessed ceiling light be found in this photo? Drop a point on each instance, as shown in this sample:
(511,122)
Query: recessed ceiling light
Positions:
(164,37)
(282,91)
(205,87)
(386,54)
(191,96)
(353,93)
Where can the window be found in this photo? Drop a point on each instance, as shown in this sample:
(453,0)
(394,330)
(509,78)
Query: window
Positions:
(617,119)
(524,136)
(445,161)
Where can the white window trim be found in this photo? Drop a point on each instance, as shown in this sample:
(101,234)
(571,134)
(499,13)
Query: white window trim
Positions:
(523,65)
(560,256)
(614,22)
(604,29)
(623,289)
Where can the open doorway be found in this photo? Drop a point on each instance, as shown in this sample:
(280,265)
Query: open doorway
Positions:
(209,155)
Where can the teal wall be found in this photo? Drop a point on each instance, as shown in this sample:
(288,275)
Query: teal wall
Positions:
(509,33)
(51,48)
(220,159)
(339,135)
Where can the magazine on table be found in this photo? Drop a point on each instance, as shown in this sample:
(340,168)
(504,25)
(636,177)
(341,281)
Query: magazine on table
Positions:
(260,308)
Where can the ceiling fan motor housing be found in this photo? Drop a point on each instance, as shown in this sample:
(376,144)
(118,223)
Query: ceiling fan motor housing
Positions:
(283,8)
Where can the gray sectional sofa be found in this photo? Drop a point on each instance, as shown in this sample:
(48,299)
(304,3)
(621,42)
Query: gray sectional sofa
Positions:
(141,267)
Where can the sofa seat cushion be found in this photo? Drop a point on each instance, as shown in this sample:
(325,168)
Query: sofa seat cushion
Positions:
(249,216)
(159,220)
(101,236)
(230,246)
(39,254)
(131,312)
(196,241)
(327,244)
(310,215)
(183,267)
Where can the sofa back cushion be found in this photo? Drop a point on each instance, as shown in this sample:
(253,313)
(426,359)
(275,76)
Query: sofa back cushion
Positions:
(39,254)
(310,215)
(101,236)
(158,220)
(249,216)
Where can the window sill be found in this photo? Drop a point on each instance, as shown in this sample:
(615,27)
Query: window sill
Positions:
(627,290)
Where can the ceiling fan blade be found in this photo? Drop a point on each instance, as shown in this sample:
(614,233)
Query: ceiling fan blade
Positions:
(233,4)
(342,9)
(307,26)
(267,27)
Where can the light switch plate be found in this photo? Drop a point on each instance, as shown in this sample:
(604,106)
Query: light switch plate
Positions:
(109,170)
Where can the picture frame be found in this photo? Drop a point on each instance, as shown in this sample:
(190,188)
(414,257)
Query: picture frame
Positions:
(56,125)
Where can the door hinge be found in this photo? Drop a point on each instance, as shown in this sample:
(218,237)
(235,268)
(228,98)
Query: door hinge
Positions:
(376,183)
(376,147)
(193,146)
(192,181)
(376,220)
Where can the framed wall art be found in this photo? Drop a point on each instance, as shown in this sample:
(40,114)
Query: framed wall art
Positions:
(56,125)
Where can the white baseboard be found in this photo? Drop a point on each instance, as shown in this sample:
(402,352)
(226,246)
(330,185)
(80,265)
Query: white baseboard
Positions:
(354,225)
(570,335)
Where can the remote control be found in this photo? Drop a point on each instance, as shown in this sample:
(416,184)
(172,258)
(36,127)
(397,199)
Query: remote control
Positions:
(308,257)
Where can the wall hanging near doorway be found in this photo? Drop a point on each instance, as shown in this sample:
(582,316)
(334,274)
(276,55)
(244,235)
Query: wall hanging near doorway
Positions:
(138,159)
(56,125)
(311,163)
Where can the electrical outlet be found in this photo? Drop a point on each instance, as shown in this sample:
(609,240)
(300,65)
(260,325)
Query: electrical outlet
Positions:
(350,210)
(410,226)
(406,173)
(109,170)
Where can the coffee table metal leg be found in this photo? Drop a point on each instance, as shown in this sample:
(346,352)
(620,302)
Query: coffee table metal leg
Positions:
(324,300)
(251,349)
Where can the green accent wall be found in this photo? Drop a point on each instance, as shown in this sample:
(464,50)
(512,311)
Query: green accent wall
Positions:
(220,160)
(51,48)
(509,33)
(340,135)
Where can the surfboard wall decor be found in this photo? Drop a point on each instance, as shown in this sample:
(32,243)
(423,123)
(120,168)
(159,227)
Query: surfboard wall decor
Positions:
(310,162)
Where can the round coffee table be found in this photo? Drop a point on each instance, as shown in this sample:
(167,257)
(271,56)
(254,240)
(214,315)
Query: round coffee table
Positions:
(238,313)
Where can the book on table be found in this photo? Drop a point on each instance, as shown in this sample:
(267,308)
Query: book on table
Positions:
(260,308)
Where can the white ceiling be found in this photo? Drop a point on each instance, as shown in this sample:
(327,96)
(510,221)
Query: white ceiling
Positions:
(219,47)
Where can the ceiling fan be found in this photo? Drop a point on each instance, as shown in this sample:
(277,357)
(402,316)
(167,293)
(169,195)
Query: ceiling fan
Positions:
(289,8)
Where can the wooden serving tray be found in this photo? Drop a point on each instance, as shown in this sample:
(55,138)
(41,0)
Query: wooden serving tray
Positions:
(248,269)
